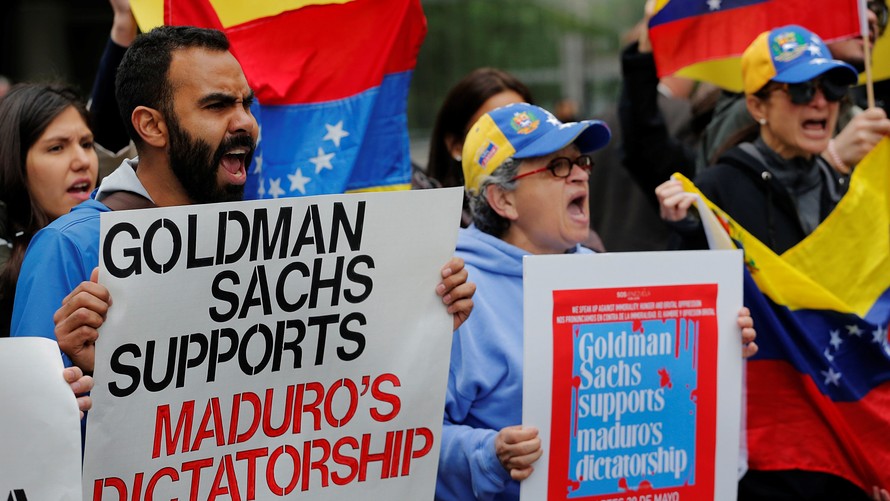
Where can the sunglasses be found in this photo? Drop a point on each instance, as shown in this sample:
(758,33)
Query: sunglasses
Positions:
(804,92)
(561,167)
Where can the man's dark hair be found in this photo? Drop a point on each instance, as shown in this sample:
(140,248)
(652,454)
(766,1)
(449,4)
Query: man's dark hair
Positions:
(142,77)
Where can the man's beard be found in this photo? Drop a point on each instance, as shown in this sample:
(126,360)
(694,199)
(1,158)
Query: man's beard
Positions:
(196,168)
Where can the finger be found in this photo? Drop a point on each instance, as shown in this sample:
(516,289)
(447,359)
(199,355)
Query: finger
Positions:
(749,335)
(749,350)
(84,403)
(518,434)
(80,326)
(665,191)
(465,290)
(89,287)
(512,452)
(464,305)
(452,281)
(460,311)
(679,198)
(83,385)
(72,374)
(520,474)
(686,201)
(453,265)
(86,295)
(525,460)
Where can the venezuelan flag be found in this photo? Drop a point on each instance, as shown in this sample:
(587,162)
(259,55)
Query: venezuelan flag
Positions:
(818,391)
(704,39)
(331,78)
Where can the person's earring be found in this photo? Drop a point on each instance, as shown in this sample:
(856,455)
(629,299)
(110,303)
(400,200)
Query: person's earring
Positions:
(456,158)
(762,121)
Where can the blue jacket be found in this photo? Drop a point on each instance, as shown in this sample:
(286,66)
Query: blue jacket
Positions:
(63,255)
(484,391)
(59,258)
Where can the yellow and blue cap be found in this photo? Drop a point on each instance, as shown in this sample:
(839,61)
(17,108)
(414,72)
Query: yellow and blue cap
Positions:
(790,54)
(523,130)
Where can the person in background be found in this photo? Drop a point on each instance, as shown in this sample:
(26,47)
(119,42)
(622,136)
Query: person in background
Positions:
(856,133)
(527,177)
(479,92)
(48,165)
(5,85)
(112,142)
(779,189)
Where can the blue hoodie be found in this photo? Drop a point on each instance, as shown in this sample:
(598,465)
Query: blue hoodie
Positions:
(484,391)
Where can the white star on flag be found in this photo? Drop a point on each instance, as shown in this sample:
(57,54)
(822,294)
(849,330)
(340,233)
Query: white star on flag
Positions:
(335,133)
(714,4)
(828,355)
(275,190)
(835,339)
(831,377)
(258,164)
(878,335)
(298,181)
(261,191)
(322,161)
(854,330)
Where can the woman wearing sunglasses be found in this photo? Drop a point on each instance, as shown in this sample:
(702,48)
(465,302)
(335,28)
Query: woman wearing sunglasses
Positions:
(778,187)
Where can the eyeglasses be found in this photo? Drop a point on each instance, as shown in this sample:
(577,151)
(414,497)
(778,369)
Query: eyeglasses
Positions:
(879,7)
(803,93)
(561,167)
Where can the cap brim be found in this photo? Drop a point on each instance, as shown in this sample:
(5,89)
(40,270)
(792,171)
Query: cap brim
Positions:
(589,135)
(845,73)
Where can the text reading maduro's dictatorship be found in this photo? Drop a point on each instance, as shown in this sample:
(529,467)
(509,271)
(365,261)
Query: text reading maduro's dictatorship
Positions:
(274,382)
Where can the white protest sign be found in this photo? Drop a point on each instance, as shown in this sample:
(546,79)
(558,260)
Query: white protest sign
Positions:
(633,375)
(39,423)
(263,349)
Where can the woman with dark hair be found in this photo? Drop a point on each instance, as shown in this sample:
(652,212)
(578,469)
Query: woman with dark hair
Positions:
(481,91)
(47,166)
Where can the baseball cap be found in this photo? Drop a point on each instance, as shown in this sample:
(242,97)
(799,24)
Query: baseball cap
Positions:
(523,130)
(790,54)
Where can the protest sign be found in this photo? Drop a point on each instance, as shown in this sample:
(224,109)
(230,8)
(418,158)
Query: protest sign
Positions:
(633,375)
(278,348)
(39,423)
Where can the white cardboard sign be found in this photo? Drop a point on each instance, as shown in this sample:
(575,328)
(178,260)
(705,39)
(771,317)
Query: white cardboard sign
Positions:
(289,348)
(39,423)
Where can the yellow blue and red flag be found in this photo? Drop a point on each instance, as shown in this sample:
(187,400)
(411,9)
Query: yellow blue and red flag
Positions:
(704,39)
(331,79)
(818,391)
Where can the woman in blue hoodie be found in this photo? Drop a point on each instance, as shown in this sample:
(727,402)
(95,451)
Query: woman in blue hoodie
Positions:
(527,178)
